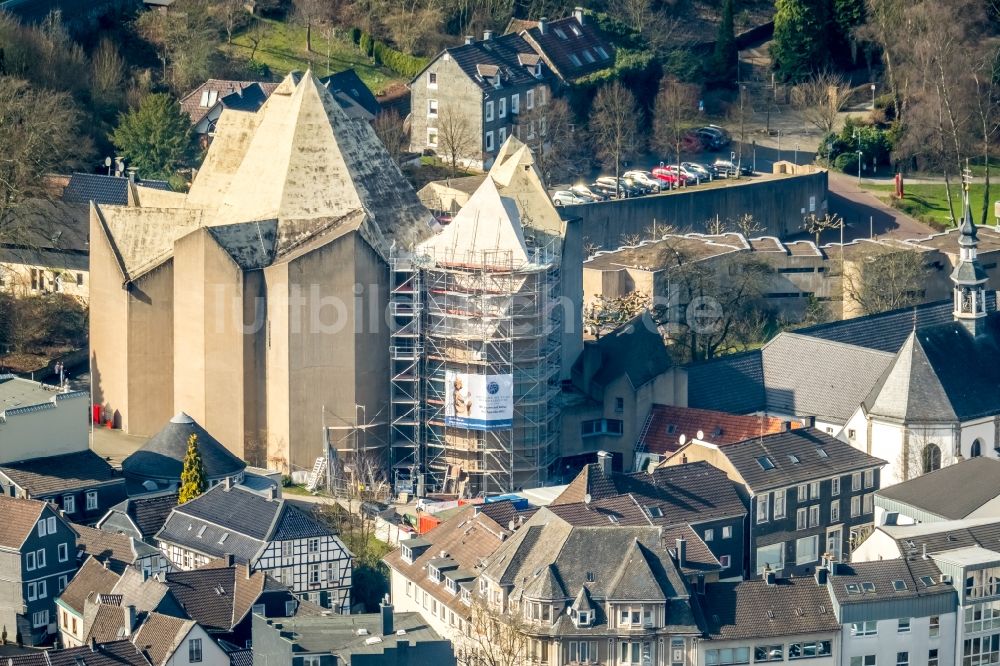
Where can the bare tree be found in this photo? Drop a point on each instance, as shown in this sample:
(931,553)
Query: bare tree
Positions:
(590,248)
(494,638)
(816,225)
(232,14)
(554,138)
(457,140)
(388,126)
(716,226)
(885,281)
(747,225)
(606,314)
(257,32)
(821,99)
(108,73)
(657,230)
(676,106)
(309,13)
(614,127)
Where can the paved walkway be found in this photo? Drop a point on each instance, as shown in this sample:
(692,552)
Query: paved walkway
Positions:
(864,213)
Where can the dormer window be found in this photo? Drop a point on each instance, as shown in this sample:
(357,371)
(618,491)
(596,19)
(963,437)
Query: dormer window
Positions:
(407,554)
(452,586)
(209,98)
(467,596)
(582,618)
(434,573)
(538,70)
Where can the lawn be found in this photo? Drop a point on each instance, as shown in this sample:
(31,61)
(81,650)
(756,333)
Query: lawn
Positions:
(929,203)
(283,49)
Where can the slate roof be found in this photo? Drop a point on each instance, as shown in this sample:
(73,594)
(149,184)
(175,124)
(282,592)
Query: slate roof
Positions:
(55,474)
(892,579)
(102,189)
(241,657)
(160,635)
(634,350)
(162,457)
(338,634)
(118,550)
(841,458)
(733,383)
(754,609)
(935,492)
(217,597)
(147,514)
(191,102)
(19,518)
(570,48)
(503,512)
(251,521)
(666,424)
(350,84)
(114,653)
(908,390)
(501,52)
(91,577)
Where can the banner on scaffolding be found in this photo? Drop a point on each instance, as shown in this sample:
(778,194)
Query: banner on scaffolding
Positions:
(478,402)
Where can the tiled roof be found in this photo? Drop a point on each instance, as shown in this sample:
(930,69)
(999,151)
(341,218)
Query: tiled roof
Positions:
(808,464)
(570,48)
(634,350)
(114,653)
(733,383)
(163,455)
(147,513)
(160,635)
(102,189)
(753,609)
(944,536)
(91,577)
(935,492)
(105,622)
(241,657)
(890,579)
(118,550)
(698,557)
(218,597)
(666,424)
(617,510)
(501,52)
(191,104)
(350,84)
(55,474)
(19,518)
(503,512)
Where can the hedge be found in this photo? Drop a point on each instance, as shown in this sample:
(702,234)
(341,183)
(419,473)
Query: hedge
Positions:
(383,54)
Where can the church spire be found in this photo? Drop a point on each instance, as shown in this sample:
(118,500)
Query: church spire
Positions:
(969,277)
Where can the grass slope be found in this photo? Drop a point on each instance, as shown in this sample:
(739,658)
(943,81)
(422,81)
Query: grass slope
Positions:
(284,50)
(929,203)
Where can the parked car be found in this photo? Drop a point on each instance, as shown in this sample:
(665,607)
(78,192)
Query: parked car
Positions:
(713,137)
(608,191)
(666,176)
(643,179)
(625,188)
(686,177)
(569,198)
(582,190)
(729,169)
(702,171)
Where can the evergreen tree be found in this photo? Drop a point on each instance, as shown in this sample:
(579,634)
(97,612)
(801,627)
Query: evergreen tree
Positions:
(193,475)
(802,38)
(154,138)
(726,51)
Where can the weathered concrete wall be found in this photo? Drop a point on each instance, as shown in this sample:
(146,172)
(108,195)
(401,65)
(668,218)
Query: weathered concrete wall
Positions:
(108,325)
(150,351)
(778,203)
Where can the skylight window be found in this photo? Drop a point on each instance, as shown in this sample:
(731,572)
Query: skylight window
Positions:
(765,463)
(574,59)
(222,539)
(671,429)
(927,581)
(576,30)
(587,56)
(899,585)
(868,587)
(600,50)
(654,512)
(560,34)
(822,453)
(201,531)
(852,588)
(794,458)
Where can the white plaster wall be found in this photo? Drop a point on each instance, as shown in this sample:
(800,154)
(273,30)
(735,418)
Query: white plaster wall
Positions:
(212,654)
(889,641)
(46,432)
(982,429)
(878,546)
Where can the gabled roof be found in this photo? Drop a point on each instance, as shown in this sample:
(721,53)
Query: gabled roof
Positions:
(202,99)
(635,580)
(348,86)
(754,609)
(500,53)
(909,390)
(114,653)
(20,516)
(890,580)
(544,585)
(55,474)
(90,578)
(102,189)
(733,383)
(666,424)
(217,597)
(161,635)
(145,514)
(117,550)
(935,492)
(162,456)
(794,457)
(571,48)
(634,350)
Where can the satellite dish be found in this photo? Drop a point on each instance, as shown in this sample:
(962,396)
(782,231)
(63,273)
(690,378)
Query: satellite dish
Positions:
(701,435)
(682,439)
(107,161)
(586,498)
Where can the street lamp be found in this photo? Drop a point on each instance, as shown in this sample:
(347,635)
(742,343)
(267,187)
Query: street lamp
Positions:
(743,136)
(755,155)
(859,167)
(779,145)
(873,97)
(795,160)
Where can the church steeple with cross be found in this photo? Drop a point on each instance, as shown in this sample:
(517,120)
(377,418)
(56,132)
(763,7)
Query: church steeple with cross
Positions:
(969,277)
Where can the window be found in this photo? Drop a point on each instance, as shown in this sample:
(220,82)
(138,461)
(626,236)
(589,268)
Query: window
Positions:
(931,458)
(310,660)
(63,580)
(779,504)
(51,523)
(814,490)
(91,500)
(42,589)
(32,591)
(40,619)
(432,80)
(432,108)
(769,653)
(772,556)
(313,545)
(932,657)
(904,625)
(489,141)
(515,103)
(869,502)
(709,535)
(727,532)
(619,405)
(934,626)
(194,650)
(866,660)
(869,478)
(807,550)
(725,656)
(540,97)
(313,574)
(529,99)
(801,518)
(432,136)
(502,107)
(29,561)
(856,481)
(867,628)
(802,493)
(602,427)
(724,561)
(855,506)
(977,449)
(502,134)
(69,504)
(41,528)
(40,557)
(582,651)
(981,650)
(762,508)
(489,111)
(835,486)
(765,463)
(287,548)
(835,511)
(814,515)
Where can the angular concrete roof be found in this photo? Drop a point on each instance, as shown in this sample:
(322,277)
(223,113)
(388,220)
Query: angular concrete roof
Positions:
(162,457)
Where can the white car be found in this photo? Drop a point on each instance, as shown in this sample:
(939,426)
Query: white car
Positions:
(567,198)
(643,179)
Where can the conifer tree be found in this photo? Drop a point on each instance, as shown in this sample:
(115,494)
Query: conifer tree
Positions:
(193,474)
(726,51)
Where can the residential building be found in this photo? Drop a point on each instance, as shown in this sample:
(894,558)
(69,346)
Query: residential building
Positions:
(38,420)
(115,653)
(37,559)
(572,47)
(294,205)
(266,534)
(119,551)
(890,615)
(962,555)
(174,641)
(156,467)
(82,484)
(47,253)
(770,619)
(119,189)
(373,639)
(139,517)
(807,493)
(93,577)
(469,98)
(932,497)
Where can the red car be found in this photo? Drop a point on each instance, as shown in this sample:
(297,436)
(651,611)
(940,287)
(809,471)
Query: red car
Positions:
(666,175)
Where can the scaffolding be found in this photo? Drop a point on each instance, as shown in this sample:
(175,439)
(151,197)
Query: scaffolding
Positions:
(483,312)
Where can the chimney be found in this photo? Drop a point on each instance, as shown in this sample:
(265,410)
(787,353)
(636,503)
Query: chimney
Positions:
(821,574)
(786,426)
(769,578)
(701,584)
(542,24)
(808,421)
(249,573)
(578,14)
(681,551)
(386,609)
(273,492)
(229,558)
(228,483)
(487,35)
(129,619)
(469,39)
(604,460)
(924,555)
(131,174)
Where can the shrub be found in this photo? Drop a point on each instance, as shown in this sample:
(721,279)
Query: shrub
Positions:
(355,35)
(366,44)
(847,163)
(397,61)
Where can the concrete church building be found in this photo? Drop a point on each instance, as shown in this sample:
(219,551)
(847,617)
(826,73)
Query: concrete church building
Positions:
(255,301)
